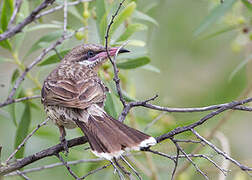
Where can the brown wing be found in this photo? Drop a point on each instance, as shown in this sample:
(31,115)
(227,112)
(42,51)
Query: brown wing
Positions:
(68,91)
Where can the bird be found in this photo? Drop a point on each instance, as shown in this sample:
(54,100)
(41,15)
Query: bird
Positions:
(73,95)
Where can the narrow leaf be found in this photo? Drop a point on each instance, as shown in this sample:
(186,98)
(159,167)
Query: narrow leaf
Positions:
(45,39)
(54,58)
(4,59)
(247,4)
(144,17)
(134,63)
(127,97)
(214,15)
(12,107)
(110,106)
(121,17)
(101,18)
(6,13)
(102,28)
(43,26)
(221,31)
(150,67)
(22,130)
(239,67)
(131,29)
(5,43)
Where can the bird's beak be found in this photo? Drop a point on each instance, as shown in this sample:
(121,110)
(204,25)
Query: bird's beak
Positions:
(113,50)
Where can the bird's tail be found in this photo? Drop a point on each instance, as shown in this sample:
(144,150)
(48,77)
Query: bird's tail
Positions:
(108,137)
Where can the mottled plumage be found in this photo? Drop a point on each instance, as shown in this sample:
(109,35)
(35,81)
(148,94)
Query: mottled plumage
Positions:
(73,95)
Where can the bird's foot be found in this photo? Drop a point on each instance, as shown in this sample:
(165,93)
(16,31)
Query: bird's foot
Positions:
(64,144)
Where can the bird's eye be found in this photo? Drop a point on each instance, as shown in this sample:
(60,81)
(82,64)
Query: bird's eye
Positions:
(90,54)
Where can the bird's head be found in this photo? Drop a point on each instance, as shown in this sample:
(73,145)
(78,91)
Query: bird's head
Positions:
(90,55)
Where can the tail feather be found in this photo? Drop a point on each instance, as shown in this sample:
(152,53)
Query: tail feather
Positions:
(109,138)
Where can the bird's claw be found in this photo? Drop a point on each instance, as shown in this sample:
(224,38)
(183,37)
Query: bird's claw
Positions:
(64,144)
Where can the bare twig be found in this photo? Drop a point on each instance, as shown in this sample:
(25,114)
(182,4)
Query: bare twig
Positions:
(65,18)
(67,167)
(217,150)
(18,28)
(175,165)
(52,10)
(131,167)
(189,159)
(22,175)
(19,100)
(15,12)
(187,141)
(95,170)
(120,175)
(116,77)
(56,165)
(40,155)
(127,173)
(36,61)
(24,141)
(226,148)
(202,120)
(154,121)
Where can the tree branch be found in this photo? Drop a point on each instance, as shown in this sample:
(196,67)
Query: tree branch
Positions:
(12,31)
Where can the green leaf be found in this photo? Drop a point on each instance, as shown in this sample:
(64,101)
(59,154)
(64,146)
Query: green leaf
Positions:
(221,31)
(12,107)
(102,28)
(214,15)
(6,13)
(121,17)
(14,76)
(45,39)
(247,4)
(4,59)
(110,105)
(43,26)
(144,17)
(131,29)
(239,67)
(54,58)
(101,18)
(125,95)
(22,130)
(150,67)
(134,63)
(6,43)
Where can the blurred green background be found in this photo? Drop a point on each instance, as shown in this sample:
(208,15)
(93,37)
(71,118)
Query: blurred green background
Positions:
(194,71)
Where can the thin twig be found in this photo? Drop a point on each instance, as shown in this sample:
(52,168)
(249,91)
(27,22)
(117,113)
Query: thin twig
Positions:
(51,151)
(179,130)
(22,175)
(18,28)
(131,167)
(189,159)
(52,10)
(116,77)
(65,18)
(154,121)
(225,155)
(36,61)
(175,165)
(15,12)
(56,165)
(25,140)
(19,100)
(67,167)
(122,168)
(95,170)
(120,175)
